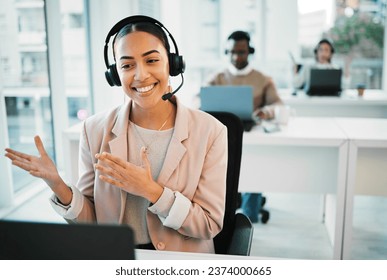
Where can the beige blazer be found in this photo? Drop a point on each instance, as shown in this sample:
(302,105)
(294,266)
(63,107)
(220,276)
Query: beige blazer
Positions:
(195,166)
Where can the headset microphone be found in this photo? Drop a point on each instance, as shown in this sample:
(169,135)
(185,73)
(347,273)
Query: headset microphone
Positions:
(168,95)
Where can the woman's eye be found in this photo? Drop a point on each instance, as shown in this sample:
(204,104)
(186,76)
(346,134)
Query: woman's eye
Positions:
(153,60)
(126,66)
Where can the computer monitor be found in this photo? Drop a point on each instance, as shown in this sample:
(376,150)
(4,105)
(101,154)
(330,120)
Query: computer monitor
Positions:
(20,240)
(324,82)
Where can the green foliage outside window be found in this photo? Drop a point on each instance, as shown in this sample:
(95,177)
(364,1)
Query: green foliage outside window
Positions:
(358,35)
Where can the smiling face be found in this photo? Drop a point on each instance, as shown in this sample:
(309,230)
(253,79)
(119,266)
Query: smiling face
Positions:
(143,68)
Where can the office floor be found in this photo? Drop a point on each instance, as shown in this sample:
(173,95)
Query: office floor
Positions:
(295,229)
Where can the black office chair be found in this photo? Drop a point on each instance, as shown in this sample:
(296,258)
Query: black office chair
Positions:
(237,233)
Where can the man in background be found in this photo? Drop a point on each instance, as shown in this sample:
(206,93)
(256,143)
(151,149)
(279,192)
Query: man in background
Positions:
(265,95)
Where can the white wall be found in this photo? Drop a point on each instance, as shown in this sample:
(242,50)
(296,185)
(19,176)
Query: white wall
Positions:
(281,38)
(281,29)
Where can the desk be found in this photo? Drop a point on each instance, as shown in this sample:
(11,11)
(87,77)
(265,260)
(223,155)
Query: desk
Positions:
(372,105)
(169,255)
(367,166)
(307,156)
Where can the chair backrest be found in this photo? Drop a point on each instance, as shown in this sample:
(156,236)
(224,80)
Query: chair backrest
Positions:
(235,135)
(242,237)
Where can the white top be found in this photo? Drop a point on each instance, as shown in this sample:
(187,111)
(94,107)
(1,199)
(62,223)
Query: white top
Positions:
(157,143)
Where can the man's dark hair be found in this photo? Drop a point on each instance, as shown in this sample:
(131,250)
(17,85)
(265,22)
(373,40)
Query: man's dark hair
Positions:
(239,35)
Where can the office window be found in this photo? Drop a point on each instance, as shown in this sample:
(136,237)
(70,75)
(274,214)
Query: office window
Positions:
(24,80)
(356,29)
(277,28)
(76,72)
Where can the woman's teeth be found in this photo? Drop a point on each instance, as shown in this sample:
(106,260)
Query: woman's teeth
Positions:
(145,89)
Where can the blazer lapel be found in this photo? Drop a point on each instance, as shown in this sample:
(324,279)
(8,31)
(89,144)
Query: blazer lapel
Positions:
(119,145)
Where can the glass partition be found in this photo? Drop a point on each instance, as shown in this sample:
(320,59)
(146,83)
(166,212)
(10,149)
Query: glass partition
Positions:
(24,79)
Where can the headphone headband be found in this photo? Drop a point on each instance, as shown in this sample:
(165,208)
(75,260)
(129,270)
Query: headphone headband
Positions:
(176,62)
(131,19)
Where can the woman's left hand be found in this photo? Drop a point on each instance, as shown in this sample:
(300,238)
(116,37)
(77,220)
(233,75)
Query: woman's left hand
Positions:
(133,179)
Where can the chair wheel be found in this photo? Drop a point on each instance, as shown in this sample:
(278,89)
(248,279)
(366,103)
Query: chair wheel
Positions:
(265,216)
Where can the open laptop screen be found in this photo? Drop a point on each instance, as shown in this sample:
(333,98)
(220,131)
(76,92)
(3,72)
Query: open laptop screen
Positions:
(234,99)
(21,240)
(324,82)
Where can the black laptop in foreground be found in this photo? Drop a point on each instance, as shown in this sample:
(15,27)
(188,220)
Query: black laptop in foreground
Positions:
(324,82)
(21,240)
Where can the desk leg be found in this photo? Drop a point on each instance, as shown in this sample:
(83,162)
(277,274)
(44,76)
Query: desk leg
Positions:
(349,203)
(338,204)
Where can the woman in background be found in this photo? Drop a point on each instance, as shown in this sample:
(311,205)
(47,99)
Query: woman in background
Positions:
(323,53)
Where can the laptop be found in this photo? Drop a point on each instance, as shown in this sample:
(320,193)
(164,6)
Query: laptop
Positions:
(234,99)
(324,82)
(20,240)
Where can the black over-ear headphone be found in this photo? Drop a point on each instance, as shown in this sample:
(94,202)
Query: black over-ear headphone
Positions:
(176,62)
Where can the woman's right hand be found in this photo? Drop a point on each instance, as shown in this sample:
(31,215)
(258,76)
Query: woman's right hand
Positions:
(41,167)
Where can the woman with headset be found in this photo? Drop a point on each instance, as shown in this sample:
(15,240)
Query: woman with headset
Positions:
(151,163)
(323,53)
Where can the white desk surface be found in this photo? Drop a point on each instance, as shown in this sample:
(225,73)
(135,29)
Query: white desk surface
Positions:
(372,105)
(141,254)
(371,96)
(300,131)
(363,129)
